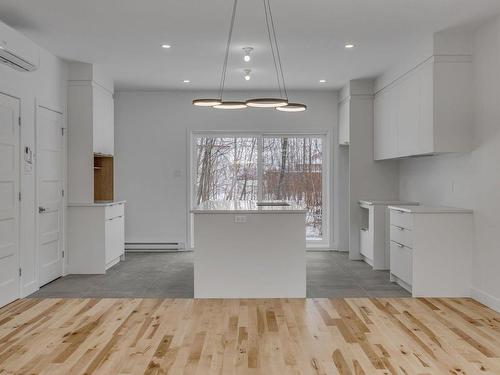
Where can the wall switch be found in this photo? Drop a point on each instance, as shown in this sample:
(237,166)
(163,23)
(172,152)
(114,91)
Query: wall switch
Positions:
(240,219)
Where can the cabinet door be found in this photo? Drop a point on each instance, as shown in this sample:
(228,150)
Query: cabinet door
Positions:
(408,114)
(385,131)
(344,120)
(103,121)
(378,127)
(114,238)
(401,262)
(426,118)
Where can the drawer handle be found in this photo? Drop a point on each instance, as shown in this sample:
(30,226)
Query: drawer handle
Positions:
(113,218)
(400,228)
(399,244)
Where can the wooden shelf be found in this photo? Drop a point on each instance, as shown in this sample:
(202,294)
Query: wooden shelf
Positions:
(103,178)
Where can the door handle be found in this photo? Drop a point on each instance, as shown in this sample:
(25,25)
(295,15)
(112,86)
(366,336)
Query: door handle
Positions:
(41,210)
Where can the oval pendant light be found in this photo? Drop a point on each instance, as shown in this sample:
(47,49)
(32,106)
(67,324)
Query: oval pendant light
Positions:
(206,102)
(230,105)
(292,107)
(266,102)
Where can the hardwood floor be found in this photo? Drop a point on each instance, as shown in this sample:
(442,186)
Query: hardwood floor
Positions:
(185,336)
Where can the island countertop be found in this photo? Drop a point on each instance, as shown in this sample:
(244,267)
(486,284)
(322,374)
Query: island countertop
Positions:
(246,207)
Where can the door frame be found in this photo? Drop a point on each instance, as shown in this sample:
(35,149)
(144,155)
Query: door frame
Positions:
(37,192)
(20,188)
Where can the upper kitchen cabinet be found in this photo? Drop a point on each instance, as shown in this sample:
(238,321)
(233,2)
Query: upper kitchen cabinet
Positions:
(344,122)
(427,110)
(103,121)
(90,134)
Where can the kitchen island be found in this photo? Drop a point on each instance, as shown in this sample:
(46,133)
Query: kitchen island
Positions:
(244,250)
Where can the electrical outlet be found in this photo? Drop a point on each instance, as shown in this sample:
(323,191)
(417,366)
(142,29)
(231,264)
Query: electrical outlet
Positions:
(240,219)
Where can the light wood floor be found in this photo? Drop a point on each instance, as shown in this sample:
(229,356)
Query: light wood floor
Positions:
(185,336)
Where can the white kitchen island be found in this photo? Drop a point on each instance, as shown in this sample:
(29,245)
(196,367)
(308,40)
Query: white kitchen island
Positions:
(243,250)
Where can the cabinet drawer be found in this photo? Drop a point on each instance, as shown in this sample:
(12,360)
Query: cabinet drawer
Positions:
(401,262)
(402,235)
(115,210)
(401,219)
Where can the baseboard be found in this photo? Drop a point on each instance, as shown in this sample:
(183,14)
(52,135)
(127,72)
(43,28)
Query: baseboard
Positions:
(486,299)
(29,288)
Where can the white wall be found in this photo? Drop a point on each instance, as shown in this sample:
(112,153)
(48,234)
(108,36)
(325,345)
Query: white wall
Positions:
(45,87)
(151,133)
(471,180)
(368,179)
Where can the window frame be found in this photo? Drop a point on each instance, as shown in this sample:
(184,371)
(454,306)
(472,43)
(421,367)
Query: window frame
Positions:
(327,174)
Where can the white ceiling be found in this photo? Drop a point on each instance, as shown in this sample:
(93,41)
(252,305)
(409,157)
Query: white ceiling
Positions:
(126,37)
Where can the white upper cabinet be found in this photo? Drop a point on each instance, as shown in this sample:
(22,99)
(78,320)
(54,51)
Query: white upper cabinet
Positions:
(344,122)
(426,111)
(103,121)
(90,127)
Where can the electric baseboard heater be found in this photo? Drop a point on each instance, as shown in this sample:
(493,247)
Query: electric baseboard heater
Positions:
(153,246)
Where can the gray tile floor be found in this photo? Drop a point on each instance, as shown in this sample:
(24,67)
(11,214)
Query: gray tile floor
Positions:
(170,275)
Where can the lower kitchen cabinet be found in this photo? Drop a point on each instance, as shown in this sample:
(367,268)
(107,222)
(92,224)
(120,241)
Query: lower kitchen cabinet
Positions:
(431,250)
(96,237)
(374,234)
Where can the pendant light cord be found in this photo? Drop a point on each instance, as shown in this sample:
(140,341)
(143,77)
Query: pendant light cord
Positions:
(272,47)
(277,47)
(226,57)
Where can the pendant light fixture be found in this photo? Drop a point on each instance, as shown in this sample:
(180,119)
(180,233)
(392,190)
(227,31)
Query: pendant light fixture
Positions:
(281,103)
(292,107)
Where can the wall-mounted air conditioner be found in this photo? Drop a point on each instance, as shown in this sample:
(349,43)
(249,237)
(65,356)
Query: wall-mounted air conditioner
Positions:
(17,51)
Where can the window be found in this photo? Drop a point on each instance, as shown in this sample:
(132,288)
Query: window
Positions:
(260,166)
(226,169)
(293,171)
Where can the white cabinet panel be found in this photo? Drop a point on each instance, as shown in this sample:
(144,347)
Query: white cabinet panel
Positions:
(114,238)
(401,235)
(401,219)
(414,113)
(434,257)
(408,107)
(103,121)
(344,119)
(385,125)
(96,237)
(426,117)
(401,262)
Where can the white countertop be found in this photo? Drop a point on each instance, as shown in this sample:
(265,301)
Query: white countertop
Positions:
(96,204)
(387,203)
(431,209)
(248,207)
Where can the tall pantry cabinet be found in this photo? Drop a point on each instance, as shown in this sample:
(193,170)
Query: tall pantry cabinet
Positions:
(96,221)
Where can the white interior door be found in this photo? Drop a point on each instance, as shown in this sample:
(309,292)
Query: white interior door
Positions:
(49,148)
(9,199)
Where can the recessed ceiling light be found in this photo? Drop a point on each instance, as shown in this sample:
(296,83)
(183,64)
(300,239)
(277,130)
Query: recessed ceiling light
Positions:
(186,81)
(322,80)
(166,46)
(349,46)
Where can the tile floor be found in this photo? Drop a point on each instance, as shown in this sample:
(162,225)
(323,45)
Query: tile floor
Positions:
(170,275)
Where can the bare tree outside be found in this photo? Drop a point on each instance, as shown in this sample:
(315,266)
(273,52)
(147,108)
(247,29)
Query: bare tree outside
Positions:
(292,169)
(226,169)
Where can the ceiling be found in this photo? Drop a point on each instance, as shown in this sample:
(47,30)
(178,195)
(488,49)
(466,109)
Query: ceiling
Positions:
(126,36)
